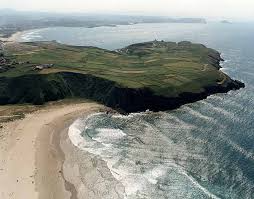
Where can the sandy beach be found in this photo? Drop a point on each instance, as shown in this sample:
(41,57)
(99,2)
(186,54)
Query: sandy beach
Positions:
(16,36)
(13,38)
(37,159)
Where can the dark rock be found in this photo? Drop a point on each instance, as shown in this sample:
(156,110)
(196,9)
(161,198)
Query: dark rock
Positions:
(38,89)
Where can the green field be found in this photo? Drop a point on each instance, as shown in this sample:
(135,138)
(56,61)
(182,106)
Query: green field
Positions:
(166,68)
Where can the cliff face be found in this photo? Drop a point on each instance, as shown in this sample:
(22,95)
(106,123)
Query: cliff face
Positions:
(38,89)
(130,100)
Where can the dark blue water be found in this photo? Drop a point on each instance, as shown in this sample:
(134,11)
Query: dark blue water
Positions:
(201,150)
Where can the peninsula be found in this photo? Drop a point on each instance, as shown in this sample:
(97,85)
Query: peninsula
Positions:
(154,75)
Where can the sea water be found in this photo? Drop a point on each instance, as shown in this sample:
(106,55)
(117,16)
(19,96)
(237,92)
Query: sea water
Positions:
(201,150)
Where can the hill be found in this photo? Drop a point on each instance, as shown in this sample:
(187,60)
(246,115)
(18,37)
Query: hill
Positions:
(154,75)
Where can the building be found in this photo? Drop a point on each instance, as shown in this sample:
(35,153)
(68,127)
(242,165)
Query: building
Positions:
(43,66)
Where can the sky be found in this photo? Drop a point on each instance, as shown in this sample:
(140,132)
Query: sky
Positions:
(234,9)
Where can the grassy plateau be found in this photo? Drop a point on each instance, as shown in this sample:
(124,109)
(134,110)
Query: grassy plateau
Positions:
(165,69)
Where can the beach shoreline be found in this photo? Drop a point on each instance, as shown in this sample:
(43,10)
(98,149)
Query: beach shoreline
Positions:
(34,154)
(13,38)
(95,180)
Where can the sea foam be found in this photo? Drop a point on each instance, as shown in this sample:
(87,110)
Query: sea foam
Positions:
(138,165)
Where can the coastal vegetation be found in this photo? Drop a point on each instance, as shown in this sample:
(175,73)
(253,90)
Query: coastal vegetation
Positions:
(153,75)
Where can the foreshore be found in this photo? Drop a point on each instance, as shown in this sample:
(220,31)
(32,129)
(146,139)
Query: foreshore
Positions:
(13,38)
(37,159)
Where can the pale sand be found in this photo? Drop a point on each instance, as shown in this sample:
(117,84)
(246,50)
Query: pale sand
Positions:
(14,37)
(31,160)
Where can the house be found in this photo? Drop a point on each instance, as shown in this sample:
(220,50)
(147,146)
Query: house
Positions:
(43,66)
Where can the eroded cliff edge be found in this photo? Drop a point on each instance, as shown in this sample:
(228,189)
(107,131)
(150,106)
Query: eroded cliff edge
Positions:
(38,89)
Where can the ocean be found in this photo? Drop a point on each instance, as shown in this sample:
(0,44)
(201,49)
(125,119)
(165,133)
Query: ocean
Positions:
(201,150)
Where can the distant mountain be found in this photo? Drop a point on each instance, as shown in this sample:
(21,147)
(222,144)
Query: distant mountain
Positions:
(226,21)
(11,17)
(7,11)
(12,21)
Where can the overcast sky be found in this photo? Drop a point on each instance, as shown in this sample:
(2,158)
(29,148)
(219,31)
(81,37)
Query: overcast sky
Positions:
(242,9)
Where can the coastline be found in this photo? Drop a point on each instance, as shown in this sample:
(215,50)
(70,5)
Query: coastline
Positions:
(31,158)
(87,175)
(13,38)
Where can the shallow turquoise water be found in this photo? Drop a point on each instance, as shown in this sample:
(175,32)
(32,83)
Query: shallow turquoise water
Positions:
(202,150)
